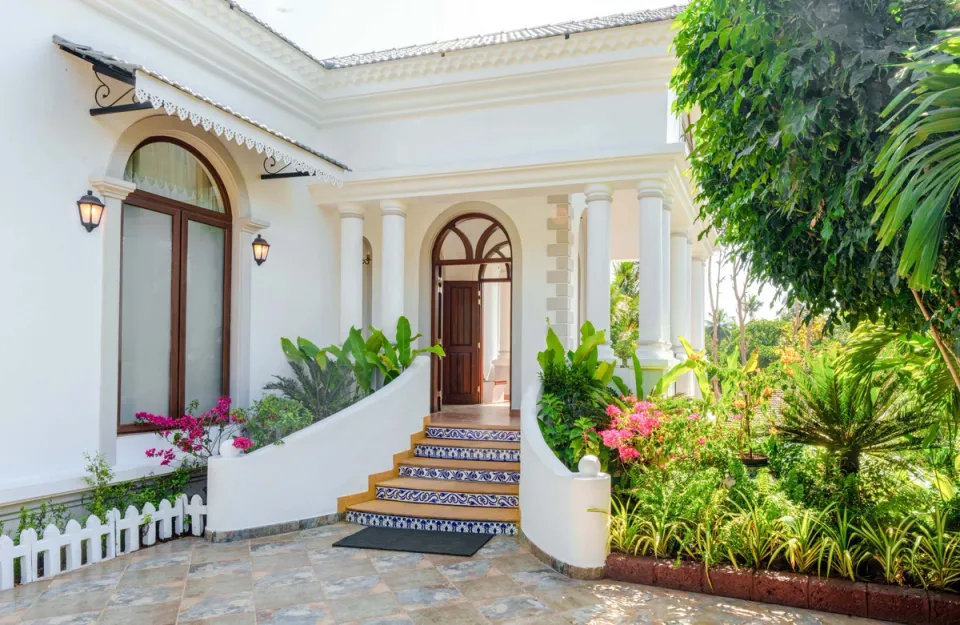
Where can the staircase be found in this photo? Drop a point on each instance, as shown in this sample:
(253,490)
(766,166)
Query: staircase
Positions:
(458,477)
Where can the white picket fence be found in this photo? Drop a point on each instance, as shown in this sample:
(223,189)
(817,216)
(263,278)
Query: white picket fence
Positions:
(56,552)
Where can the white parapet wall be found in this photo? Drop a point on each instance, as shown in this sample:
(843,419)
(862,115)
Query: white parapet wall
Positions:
(556,504)
(302,478)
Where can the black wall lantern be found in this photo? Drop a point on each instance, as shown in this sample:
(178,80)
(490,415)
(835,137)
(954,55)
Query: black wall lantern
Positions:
(260,249)
(91,210)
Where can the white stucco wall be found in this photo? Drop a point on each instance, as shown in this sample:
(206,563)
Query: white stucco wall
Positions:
(53,284)
(303,478)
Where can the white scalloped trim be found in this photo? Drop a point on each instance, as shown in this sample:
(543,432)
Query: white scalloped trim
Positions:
(232,134)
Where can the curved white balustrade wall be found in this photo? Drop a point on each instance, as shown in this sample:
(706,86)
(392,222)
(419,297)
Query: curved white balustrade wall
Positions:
(555,502)
(303,477)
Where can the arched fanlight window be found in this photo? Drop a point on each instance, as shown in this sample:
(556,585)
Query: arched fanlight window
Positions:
(170,170)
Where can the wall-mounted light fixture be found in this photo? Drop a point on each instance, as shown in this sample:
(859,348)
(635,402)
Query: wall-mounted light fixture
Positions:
(91,210)
(260,249)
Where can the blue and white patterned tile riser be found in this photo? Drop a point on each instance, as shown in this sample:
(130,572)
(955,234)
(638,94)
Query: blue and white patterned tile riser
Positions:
(443,498)
(468,434)
(436,525)
(461,475)
(466,453)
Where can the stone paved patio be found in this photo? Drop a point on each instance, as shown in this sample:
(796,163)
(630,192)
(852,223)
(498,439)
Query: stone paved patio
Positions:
(298,579)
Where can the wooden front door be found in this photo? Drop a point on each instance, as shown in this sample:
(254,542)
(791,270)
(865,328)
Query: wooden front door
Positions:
(461,341)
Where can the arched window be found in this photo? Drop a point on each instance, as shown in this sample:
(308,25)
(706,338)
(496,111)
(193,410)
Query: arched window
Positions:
(174,284)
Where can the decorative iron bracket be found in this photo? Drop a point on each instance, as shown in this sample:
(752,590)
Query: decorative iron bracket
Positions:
(273,170)
(108,103)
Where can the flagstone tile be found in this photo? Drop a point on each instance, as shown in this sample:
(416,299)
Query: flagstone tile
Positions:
(153,576)
(144,561)
(544,578)
(288,577)
(456,614)
(360,608)
(415,578)
(87,618)
(392,619)
(211,569)
(209,607)
(567,598)
(335,555)
(471,569)
(353,586)
(276,547)
(145,595)
(218,585)
(156,614)
(60,587)
(243,618)
(393,561)
(428,596)
(518,563)
(220,553)
(508,608)
(68,604)
(304,614)
(500,546)
(487,588)
(281,561)
(273,597)
(342,570)
(12,611)
(24,591)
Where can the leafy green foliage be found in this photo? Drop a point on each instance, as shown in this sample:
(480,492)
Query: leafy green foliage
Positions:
(790,96)
(271,418)
(322,390)
(106,495)
(575,395)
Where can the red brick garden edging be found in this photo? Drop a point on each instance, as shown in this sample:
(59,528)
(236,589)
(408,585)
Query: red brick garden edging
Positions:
(880,601)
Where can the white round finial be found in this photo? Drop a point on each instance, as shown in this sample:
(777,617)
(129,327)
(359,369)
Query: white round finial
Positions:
(589,466)
(227,450)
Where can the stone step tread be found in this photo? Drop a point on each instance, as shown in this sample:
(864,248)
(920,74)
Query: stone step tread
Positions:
(439,421)
(464,465)
(453,442)
(484,488)
(434,511)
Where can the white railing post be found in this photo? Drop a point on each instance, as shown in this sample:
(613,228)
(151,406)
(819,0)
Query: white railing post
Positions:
(75,536)
(197,511)
(149,518)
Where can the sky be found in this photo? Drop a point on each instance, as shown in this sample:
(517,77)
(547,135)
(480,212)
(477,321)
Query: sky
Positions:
(328,28)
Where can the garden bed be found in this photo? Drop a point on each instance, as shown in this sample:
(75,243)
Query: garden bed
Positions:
(898,604)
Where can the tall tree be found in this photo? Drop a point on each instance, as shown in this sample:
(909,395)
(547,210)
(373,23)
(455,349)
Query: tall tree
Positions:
(790,95)
(741,278)
(714,278)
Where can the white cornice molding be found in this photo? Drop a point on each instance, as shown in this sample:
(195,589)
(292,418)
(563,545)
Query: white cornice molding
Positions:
(252,224)
(112,187)
(549,178)
(513,55)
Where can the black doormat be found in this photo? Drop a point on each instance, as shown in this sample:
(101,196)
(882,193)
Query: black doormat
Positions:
(415,541)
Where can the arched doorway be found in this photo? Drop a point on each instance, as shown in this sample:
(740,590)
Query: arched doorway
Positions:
(471,255)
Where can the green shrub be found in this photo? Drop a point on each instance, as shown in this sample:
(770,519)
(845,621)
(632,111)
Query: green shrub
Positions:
(271,418)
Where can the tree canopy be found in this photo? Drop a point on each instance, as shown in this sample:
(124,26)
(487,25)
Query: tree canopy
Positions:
(790,95)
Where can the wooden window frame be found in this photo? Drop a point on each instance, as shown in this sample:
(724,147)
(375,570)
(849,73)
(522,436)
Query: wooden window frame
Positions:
(182,214)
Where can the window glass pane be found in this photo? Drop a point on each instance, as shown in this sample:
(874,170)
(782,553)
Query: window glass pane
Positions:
(171,171)
(145,313)
(204,331)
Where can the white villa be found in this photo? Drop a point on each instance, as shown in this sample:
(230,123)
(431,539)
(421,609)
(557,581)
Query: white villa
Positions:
(479,187)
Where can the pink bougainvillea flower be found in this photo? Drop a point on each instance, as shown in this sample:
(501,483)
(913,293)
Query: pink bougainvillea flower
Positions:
(610,438)
(702,440)
(694,417)
(242,443)
(614,411)
(642,406)
(628,453)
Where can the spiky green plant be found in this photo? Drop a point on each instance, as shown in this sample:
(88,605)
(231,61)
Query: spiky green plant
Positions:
(843,550)
(803,547)
(851,416)
(935,554)
(888,546)
(321,391)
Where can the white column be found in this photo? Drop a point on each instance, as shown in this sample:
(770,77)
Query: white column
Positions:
(351,268)
(598,262)
(491,325)
(679,292)
(503,300)
(650,346)
(394,215)
(113,192)
(667,334)
(697,305)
